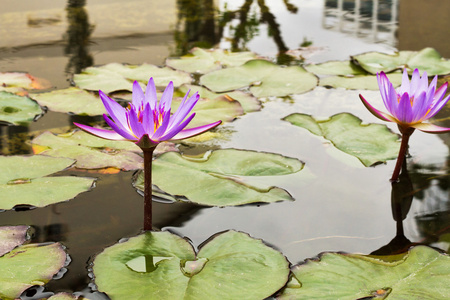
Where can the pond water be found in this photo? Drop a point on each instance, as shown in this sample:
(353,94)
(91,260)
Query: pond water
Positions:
(340,205)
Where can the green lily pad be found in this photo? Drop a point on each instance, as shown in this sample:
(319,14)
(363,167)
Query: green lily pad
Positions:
(23,80)
(371,144)
(71,100)
(427,59)
(264,78)
(22,181)
(248,102)
(222,177)
(203,61)
(359,82)
(18,110)
(344,68)
(90,152)
(28,265)
(231,265)
(116,77)
(11,237)
(423,273)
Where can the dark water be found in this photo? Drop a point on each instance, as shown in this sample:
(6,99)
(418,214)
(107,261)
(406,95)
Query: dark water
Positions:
(340,205)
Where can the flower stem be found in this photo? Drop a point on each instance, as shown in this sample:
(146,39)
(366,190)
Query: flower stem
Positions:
(148,156)
(406,133)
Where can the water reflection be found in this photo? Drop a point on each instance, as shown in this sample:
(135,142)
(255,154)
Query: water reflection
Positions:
(77,37)
(373,19)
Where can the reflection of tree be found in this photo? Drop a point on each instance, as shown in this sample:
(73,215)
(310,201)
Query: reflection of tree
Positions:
(77,36)
(200,29)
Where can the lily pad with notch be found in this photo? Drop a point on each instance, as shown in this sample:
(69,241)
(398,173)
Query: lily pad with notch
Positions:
(26,265)
(423,273)
(222,177)
(263,77)
(371,144)
(230,265)
(24,181)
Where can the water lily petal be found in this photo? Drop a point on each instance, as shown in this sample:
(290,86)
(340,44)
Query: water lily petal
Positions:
(150,94)
(430,128)
(176,129)
(123,132)
(137,96)
(404,112)
(414,82)
(385,90)
(420,107)
(163,127)
(166,98)
(114,109)
(148,123)
(195,131)
(405,86)
(423,84)
(437,107)
(103,133)
(183,110)
(136,126)
(379,114)
(440,92)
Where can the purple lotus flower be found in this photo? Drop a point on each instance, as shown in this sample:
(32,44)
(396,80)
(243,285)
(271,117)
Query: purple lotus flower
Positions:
(147,122)
(412,103)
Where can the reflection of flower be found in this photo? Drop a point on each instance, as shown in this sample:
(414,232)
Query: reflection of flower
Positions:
(146,121)
(412,103)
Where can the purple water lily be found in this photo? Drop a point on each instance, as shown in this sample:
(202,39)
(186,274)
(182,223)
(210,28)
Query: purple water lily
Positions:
(147,122)
(409,106)
(412,103)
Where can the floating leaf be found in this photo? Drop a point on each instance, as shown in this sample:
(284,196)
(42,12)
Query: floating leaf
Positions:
(427,59)
(422,274)
(359,82)
(231,265)
(264,78)
(248,102)
(204,61)
(222,177)
(115,77)
(371,144)
(11,237)
(344,68)
(18,110)
(71,100)
(23,80)
(28,265)
(22,181)
(91,152)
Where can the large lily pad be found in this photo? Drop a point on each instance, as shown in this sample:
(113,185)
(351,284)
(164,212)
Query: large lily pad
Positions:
(18,110)
(204,61)
(28,265)
(248,102)
(371,144)
(222,177)
(115,77)
(345,68)
(90,152)
(22,181)
(422,274)
(264,78)
(231,265)
(359,82)
(427,59)
(23,80)
(71,100)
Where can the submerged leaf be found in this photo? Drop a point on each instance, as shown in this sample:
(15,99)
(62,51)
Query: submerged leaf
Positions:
(18,110)
(371,144)
(222,177)
(423,273)
(231,265)
(22,182)
(264,78)
(23,80)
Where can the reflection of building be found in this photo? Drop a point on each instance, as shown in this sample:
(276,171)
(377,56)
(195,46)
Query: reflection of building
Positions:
(372,19)
(424,24)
